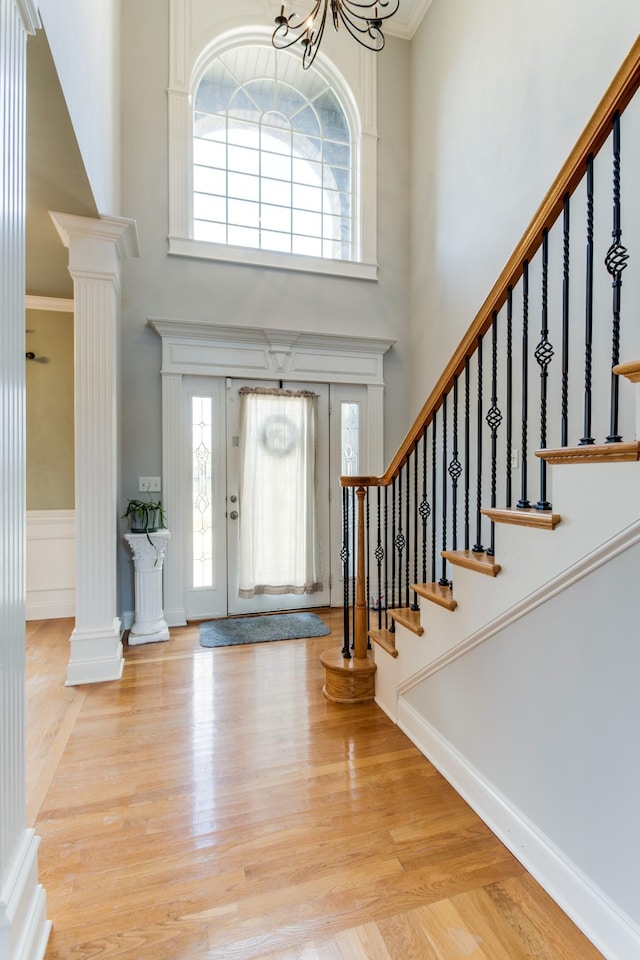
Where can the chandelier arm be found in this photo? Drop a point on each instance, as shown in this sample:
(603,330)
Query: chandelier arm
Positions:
(369,36)
(312,44)
(376,5)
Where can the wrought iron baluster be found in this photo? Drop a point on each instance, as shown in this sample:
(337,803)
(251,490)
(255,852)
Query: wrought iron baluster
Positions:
(392,628)
(588,313)
(443,581)
(564,425)
(494,419)
(344,556)
(523,502)
(455,469)
(425,509)
(408,537)
(379,555)
(354,554)
(615,262)
(544,355)
(467,423)
(509,395)
(477,547)
(386,555)
(414,604)
(368,570)
(400,541)
(434,495)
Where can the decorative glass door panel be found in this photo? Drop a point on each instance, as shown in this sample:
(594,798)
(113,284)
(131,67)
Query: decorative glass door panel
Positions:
(206,568)
(278,496)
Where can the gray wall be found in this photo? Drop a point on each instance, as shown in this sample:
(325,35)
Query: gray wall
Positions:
(547,710)
(500,93)
(159,285)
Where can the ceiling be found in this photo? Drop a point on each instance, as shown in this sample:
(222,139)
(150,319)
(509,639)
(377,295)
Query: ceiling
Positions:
(407,20)
(56,178)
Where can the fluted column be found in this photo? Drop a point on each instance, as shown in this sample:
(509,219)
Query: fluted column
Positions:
(148,549)
(24,928)
(96,250)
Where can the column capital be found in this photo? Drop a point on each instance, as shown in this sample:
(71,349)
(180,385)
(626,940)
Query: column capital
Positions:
(96,246)
(28,10)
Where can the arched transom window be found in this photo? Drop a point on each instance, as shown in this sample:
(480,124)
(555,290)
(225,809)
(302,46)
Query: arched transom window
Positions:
(272,157)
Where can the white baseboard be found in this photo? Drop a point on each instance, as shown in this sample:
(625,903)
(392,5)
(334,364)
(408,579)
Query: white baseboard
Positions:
(608,928)
(50,565)
(24,928)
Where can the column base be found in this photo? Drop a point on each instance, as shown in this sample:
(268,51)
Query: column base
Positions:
(348,681)
(24,928)
(96,655)
(136,638)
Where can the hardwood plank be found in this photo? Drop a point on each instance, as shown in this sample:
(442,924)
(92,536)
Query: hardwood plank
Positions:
(212,804)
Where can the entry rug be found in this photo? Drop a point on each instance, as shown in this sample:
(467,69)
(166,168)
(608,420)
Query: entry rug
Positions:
(272,626)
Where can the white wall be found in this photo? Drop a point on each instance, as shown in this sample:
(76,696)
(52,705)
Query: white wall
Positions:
(546,712)
(163,286)
(85,41)
(500,93)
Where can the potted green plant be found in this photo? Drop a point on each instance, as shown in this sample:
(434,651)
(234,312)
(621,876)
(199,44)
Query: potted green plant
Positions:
(145,516)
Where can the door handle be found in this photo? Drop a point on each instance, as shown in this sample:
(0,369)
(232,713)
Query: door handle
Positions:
(234,515)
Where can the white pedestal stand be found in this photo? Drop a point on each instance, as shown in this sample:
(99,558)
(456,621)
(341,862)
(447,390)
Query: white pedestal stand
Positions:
(149,625)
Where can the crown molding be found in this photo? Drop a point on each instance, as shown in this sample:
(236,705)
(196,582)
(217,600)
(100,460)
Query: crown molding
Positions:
(50,304)
(405,27)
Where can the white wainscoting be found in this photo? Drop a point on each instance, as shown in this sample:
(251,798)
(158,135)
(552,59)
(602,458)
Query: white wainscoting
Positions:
(51,564)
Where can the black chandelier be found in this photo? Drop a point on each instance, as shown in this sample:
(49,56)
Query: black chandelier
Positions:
(362,20)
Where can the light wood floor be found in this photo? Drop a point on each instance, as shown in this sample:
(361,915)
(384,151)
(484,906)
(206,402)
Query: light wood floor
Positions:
(212,804)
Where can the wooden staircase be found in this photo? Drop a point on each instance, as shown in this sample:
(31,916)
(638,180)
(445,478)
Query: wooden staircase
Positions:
(421,507)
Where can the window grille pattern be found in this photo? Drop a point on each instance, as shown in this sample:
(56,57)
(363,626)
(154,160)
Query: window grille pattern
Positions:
(272,155)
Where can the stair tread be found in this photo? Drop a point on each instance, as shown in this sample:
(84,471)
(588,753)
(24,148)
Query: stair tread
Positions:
(529,517)
(443,596)
(385,639)
(592,453)
(479,562)
(408,618)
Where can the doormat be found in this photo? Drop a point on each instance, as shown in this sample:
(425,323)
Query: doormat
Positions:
(261,629)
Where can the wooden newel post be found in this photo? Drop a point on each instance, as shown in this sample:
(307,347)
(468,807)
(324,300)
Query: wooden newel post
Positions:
(360,625)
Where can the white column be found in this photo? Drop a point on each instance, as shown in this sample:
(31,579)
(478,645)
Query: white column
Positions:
(24,929)
(148,551)
(96,249)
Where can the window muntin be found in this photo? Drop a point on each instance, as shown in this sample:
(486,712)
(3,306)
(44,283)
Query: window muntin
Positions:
(272,157)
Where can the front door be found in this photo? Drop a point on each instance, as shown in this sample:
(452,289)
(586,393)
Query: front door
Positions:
(277,496)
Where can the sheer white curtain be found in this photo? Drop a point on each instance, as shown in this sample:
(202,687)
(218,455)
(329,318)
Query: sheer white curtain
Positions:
(278,492)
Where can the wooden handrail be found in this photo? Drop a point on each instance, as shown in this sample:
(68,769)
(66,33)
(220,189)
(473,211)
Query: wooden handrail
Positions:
(623,87)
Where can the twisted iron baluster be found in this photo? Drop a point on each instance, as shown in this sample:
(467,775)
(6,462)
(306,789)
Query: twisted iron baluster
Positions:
(544,354)
(434,496)
(523,502)
(368,568)
(494,419)
(408,537)
(344,556)
(564,426)
(392,628)
(509,393)
(477,547)
(386,555)
(615,262)
(455,469)
(588,313)
(467,421)
(379,555)
(424,508)
(400,541)
(414,605)
(443,581)
(354,554)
